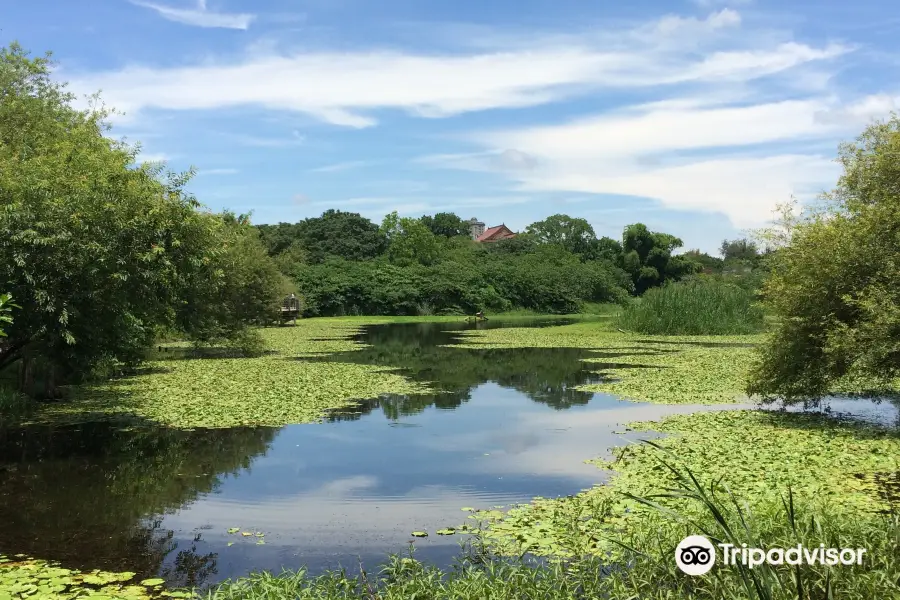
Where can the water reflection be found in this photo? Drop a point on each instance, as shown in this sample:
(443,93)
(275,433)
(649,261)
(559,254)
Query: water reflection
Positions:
(424,352)
(92,495)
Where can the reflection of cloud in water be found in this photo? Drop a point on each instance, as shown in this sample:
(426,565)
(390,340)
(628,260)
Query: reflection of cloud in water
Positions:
(336,517)
(535,441)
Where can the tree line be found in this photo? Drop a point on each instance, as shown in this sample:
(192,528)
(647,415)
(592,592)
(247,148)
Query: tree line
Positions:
(345,264)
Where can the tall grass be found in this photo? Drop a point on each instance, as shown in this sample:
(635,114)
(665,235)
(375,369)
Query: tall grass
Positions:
(695,307)
(645,566)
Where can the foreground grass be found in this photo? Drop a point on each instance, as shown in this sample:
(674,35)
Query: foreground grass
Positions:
(643,569)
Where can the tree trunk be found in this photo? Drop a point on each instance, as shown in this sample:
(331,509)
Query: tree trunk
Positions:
(26,376)
(51,389)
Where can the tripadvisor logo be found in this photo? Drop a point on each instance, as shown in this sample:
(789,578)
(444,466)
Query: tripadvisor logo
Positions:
(696,555)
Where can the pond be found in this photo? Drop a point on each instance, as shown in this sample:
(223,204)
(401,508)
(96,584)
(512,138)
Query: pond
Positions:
(509,425)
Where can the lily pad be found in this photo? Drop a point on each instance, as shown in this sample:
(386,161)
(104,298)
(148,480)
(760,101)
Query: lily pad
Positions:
(420,534)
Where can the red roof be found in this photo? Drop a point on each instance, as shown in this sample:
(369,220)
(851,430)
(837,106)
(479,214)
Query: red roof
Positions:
(493,234)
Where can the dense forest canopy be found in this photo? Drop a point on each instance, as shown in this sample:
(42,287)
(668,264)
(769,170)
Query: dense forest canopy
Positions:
(431,264)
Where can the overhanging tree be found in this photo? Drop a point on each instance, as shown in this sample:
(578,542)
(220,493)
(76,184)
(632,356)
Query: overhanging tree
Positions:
(98,251)
(835,281)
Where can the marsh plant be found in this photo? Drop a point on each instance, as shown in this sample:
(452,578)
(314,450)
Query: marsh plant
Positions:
(694,507)
(696,307)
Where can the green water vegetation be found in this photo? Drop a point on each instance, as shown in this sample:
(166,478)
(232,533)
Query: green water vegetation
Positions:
(671,369)
(756,455)
(22,577)
(187,390)
(700,306)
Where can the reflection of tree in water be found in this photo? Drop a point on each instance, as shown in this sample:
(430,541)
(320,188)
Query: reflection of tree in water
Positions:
(420,351)
(87,495)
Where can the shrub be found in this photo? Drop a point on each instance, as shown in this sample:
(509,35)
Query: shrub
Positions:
(696,307)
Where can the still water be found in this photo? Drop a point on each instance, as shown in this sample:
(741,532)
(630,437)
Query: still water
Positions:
(509,426)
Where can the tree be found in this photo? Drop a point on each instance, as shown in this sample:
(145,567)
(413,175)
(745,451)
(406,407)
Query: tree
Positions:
(6,307)
(647,256)
(100,251)
(247,290)
(343,234)
(446,225)
(835,281)
(572,233)
(710,264)
(605,248)
(742,249)
(280,238)
(409,240)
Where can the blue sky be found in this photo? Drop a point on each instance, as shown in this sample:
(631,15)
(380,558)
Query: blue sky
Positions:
(695,117)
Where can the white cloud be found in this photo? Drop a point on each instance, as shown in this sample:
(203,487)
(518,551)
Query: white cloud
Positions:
(342,87)
(199,16)
(675,24)
(686,155)
(295,139)
(731,108)
(713,3)
(341,166)
(745,189)
(861,111)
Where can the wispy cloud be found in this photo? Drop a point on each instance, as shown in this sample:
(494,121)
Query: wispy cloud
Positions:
(295,139)
(341,166)
(686,155)
(349,85)
(199,16)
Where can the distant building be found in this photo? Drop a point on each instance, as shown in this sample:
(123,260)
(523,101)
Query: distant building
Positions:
(495,234)
(476,228)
